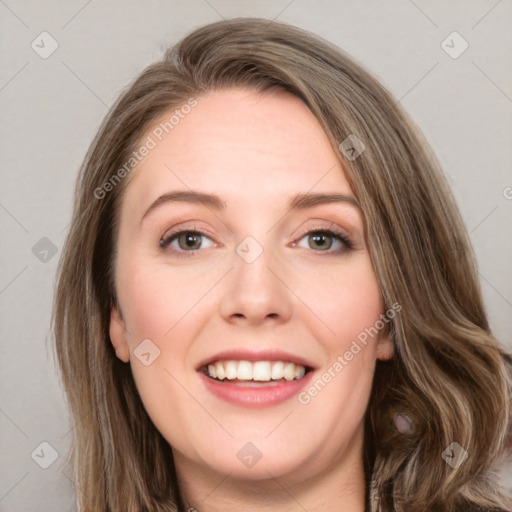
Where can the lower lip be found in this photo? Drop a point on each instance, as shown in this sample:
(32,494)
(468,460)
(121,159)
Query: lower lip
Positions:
(255,397)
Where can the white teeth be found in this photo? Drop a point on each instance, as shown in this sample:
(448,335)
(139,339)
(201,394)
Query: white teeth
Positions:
(230,367)
(244,370)
(289,371)
(277,370)
(262,371)
(221,373)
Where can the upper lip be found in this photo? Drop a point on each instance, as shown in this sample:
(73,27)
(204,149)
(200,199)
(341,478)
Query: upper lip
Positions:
(255,355)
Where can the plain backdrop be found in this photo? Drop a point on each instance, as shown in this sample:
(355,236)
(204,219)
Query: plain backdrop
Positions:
(52,106)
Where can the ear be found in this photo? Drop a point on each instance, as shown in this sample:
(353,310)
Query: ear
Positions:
(385,348)
(118,335)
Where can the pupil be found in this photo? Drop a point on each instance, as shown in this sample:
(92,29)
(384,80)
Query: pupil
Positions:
(320,240)
(191,241)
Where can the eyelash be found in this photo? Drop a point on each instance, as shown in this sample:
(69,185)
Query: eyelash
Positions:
(344,239)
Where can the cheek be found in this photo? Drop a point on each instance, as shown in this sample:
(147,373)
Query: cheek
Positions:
(351,307)
(168,307)
(346,299)
(157,300)
(166,312)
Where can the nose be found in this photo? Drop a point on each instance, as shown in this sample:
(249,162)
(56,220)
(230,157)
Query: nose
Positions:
(257,292)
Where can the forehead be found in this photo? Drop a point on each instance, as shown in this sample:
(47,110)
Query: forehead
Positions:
(251,148)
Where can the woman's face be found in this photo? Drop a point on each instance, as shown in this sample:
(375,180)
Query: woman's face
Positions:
(255,290)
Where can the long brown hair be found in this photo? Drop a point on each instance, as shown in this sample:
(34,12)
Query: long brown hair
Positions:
(449,374)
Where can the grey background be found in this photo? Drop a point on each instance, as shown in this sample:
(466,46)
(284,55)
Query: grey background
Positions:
(51,109)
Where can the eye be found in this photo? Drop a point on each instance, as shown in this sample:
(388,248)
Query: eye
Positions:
(325,240)
(186,241)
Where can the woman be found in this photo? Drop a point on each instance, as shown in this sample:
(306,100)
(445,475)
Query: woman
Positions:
(267,299)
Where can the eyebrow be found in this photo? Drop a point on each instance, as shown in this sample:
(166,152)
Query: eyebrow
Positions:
(303,201)
(298,202)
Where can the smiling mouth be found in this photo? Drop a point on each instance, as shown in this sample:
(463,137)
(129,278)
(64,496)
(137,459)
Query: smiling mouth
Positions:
(255,373)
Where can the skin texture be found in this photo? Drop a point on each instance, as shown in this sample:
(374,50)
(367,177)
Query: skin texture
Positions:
(255,151)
